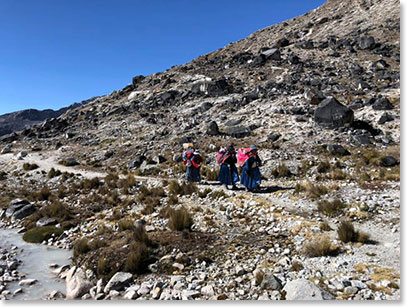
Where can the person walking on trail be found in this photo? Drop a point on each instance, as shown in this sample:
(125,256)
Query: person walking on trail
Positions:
(251,176)
(193,162)
(228,174)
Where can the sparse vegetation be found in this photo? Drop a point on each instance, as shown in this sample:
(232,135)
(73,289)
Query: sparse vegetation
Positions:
(313,191)
(281,171)
(318,247)
(218,194)
(347,233)
(296,266)
(81,246)
(180,220)
(324,226)
(138,258)
(331,208)
(182,189)
(54,173)
(204,193)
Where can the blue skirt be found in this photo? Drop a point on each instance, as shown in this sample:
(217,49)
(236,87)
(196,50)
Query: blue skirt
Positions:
(252,181)
(226,176)
(193,174)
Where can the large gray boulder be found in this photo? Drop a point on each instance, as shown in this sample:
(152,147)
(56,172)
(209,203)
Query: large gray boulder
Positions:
(118,281)
(238,131)
(212,129)
(330,113)
(305,290)
(19,209)
(77,284)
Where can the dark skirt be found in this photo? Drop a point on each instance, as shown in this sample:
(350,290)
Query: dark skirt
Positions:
(193,174)
(252,181)
(228,176)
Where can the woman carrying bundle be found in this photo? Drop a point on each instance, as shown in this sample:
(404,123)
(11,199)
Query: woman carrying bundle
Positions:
(251,176)
(228,174)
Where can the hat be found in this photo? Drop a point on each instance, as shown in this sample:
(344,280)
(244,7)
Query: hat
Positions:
(231,148)
(196,152)
(253,147)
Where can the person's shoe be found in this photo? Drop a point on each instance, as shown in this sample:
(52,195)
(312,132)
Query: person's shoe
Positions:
(234,187)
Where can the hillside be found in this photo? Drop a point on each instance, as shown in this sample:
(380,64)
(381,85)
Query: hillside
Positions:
(319,95)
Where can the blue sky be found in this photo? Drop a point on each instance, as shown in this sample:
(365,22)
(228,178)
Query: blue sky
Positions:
(56,52)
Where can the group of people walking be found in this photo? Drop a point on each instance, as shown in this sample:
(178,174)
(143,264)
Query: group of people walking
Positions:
(249,162)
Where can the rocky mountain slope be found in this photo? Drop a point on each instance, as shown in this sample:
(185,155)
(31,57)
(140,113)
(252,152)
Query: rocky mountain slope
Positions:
(17,121)
(319,94)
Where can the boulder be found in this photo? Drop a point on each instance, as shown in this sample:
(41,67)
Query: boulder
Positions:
(70,162)
(272,54)
(382,104)
(238,131)
(330,113)
(118,282)
(270,282)
(6,149)
(337,150)
(46,221)
(212,88)
(136,163)
(302,289)
(159,159)
(19,209)
(388,161)
(212,129)
(366,42)
(136,80)
(386,117)
(76,283)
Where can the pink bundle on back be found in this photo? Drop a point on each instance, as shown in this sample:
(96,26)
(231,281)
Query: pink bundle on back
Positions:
(242,156)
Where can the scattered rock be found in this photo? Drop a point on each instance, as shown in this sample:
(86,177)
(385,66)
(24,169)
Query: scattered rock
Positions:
(388,161)
(337,150)
(302,289)
(332,114)
(118,281)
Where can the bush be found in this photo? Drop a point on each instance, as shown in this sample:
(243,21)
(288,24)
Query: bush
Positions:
(184,189)
(125,224)
(81,246)
(210,174)
(137,260)
(54,173)
(180,219)
(320,246)
(324,226)
(296,266)
(281,171)
(57,210)
(90,184)
(312,191)
(332,209)
(30,167)
(43,194)
(218,194)
(204,193)
(111,180)
(102,267)
(347,233)
(40,234)
(323,167)
(173,200)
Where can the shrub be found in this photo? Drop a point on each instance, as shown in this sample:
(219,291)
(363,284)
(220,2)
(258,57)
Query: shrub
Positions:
(57,210)
(320,246)
(140,235)
(184,189)
(210,174)
(81,246)
(138,258)
(323,167)
(98,243)
(102,267)
(173,200)
(312,191)
(54,173)
(204,193)
(296,266)
(40,234)
(281,171)
(218,194)
(347,233)
(30,167)
(43,194)
(111,180)
(90,184)
(338,174)
(332,209)
(180,219)
(324,226)
(125,224)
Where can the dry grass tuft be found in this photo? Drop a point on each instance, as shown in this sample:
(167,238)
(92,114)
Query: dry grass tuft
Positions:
(347,233)
(320,246)
(180,220)
(332,209)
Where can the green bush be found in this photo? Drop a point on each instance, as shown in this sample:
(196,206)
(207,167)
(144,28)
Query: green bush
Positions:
(30,167)
(40,234)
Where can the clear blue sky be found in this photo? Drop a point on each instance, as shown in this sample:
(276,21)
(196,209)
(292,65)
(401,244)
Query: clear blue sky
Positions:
(56,52)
